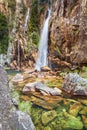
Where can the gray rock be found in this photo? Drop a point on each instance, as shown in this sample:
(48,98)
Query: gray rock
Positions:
(5,102)
(75,85)
(9,119)
(22,121)
(42,88)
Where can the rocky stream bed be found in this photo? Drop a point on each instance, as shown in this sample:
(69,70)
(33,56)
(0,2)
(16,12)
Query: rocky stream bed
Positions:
(64,109)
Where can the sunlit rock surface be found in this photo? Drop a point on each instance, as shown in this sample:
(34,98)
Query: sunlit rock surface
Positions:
(75,85)
(68,32)
(42,88)
(75,108)
(48,116)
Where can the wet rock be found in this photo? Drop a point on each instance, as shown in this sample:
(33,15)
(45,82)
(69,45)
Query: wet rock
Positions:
(75,108)
(70,122)
(47,128)
(22,121)
(84,118)
(48,116)
(42,88)
(83,101)
(45,68)
(75,85)
(84,111)
(45,101)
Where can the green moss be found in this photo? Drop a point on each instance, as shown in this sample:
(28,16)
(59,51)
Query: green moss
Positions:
(56,83)
(4,38)
(24,106)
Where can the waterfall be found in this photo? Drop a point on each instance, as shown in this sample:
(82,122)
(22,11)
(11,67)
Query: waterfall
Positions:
(10,53)
(19,61)
(43,44)
(26,20)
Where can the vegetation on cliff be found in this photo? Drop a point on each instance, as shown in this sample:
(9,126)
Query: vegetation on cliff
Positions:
(3,34)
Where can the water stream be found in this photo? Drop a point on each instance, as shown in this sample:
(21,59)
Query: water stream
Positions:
(50,112)
(43,44)
(19,62)
(26,20)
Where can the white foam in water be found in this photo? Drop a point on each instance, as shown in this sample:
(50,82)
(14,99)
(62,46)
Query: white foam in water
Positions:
(43,45)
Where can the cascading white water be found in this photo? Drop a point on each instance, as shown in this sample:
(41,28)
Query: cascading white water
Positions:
(43,45)
(19,62)
(26,19)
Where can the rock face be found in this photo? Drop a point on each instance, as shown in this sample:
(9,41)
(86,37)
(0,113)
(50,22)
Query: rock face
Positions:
(23,30)
(11,120)
(5,103)
(68,27)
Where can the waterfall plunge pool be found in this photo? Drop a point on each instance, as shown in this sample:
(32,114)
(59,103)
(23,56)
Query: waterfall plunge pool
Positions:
(47,112)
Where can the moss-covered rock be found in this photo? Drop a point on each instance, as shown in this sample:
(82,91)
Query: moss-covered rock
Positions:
(75,108)
(83,101)
(84,111)
(48,116)
(47,128)
(84,118)
(70,122)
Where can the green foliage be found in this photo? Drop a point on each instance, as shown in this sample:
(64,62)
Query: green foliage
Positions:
(42,9)
(3,34)
(24,106)
(35,37)
(23,10)
(12,4)
(34,17)
(33,24)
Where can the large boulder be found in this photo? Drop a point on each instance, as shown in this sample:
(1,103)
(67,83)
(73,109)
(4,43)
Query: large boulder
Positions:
(5,103)
(10,118)
(75,85)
